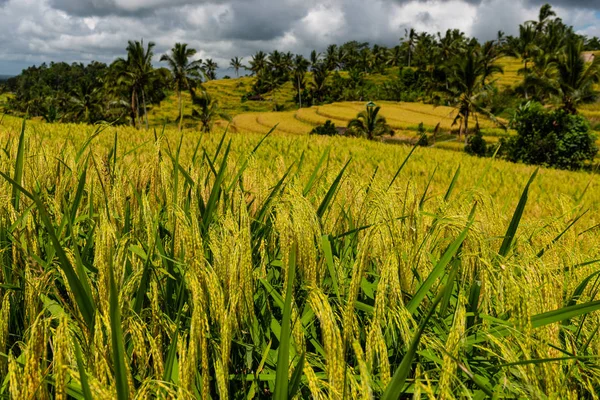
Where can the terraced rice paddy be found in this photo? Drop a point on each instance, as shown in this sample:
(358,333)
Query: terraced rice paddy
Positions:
(510,77)
(404,118)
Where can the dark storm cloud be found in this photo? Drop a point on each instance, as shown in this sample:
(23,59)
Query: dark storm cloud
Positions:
(586,4)
(262,19)
(115,7)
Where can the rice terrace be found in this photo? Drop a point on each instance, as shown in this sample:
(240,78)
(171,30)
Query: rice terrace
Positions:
(415,221)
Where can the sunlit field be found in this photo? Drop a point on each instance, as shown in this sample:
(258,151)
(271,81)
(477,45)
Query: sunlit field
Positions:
(144,264)
(404,118)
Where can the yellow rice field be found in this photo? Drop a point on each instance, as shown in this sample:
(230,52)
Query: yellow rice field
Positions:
(209,266)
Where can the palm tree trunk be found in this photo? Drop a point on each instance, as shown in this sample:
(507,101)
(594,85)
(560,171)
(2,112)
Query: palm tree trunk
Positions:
(180,110)
(467,127)
(133,109)
(145,110)
(526,94)
(299,94)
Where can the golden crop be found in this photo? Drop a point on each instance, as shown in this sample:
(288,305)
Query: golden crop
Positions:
(141,265)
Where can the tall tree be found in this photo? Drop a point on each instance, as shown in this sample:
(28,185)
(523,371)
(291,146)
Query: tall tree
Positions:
(524,47)
(411,37)
(210,69)
(331,57)
(318,85)
(315,59)
(236,65)
(85,102)
(394,55)
(185,72)
(576,79)
(467,87)
(490,53)
(206,111)
(545,15)
(136,72)
(258,62)
(300,67)
(369,124)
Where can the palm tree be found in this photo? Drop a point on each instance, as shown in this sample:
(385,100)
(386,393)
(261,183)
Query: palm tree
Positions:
(369,123)
(542,80)
(524,47)
(467,87)
(331,57)
(490,53)
(287,62)
(236,64)
(575,79)
(366,59)
(258,62)
(136,72)
(278,65)
(379,58)
(315,59)
(546,12)
(206,110)
(85,102)
(300,66)
(320,74)
(412,36)
(451,44)
(185,72)
(394,55)
(210,68)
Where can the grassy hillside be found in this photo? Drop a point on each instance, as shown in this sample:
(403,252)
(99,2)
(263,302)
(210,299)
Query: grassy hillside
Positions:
(228,92)
(259,117)
(186,265)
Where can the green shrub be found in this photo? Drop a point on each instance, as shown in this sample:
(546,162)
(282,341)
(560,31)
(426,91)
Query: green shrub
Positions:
(476,145)
(327,129)
(551,138)
(423,141)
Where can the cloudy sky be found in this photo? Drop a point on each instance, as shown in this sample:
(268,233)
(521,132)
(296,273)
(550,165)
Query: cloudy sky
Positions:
(33,31)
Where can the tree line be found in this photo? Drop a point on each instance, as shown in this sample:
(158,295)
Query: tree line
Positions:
(119,93)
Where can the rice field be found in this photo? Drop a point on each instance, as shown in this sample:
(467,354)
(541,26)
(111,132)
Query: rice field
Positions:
(285,121)
(228,93)
(510,77)
(143,265)
(404,118)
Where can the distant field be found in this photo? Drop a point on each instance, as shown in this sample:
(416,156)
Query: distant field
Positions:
(510,77)
(259,117)
(404,118)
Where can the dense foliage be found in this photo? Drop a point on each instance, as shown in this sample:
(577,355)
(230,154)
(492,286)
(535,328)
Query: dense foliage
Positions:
(326,129)
(551,138)
(369,124)
(476,145)
(60,91)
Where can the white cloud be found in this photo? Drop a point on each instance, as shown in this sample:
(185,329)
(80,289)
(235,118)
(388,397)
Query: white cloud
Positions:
(436,16)
(34,31)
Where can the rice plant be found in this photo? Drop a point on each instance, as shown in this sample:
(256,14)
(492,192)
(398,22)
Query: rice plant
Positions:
(239,265)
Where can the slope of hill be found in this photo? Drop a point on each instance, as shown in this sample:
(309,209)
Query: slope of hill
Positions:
(229,92)
(260,117)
